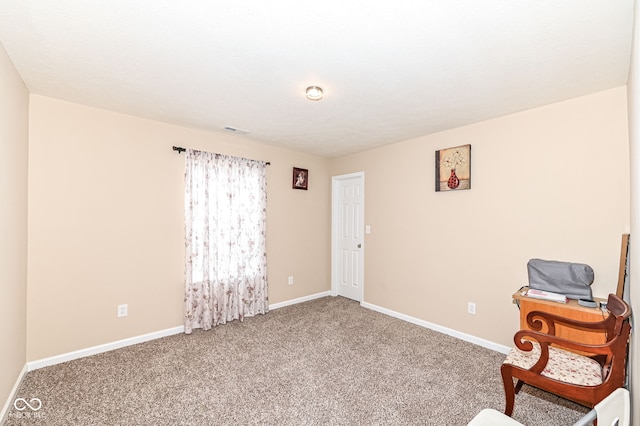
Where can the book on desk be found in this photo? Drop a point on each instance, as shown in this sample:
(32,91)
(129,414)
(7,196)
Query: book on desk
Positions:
(546,295)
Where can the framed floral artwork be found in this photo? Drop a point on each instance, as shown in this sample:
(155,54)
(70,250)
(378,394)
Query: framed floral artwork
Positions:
(300,178)
(453,168)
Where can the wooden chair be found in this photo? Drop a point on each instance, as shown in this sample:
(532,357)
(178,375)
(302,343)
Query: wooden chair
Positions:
(580,372)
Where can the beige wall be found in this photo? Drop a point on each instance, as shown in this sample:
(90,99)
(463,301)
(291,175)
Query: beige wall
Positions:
(633,95)
(105,218)
(551,182)
(14,110)
(106,224)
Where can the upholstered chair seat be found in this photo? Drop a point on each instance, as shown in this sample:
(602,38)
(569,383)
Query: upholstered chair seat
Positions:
(563,366)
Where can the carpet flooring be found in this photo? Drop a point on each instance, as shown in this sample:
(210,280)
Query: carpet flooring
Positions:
(324,362)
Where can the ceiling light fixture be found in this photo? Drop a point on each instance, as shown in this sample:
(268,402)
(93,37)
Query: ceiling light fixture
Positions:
(314,93)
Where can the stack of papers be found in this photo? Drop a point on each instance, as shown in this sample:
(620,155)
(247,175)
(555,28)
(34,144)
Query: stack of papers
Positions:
(547,295)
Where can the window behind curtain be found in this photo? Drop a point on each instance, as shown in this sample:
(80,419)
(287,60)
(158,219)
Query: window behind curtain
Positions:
(225,228)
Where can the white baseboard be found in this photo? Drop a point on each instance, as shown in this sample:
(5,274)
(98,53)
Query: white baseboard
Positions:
(454,333)
(57,359)
(34,365)
(299,300)
(12,396)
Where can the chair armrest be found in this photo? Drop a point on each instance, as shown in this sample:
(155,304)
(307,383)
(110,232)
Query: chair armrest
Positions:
(523,340)
(536,319)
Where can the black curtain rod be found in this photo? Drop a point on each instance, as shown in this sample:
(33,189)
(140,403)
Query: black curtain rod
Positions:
(181,150)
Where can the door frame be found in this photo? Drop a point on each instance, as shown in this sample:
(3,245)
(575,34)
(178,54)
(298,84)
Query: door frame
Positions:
(335,231)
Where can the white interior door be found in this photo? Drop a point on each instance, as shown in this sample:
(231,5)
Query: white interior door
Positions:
(348,238)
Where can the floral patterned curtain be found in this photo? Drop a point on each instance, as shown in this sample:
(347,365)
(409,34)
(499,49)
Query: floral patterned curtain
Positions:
(225,226)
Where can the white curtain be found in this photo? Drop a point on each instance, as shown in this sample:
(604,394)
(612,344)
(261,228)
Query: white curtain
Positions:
(225,227)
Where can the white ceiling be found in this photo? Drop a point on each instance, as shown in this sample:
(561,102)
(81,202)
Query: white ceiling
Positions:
(391,70)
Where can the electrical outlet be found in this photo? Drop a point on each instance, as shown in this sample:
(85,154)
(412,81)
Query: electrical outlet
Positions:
(471,308)
(290,280)
(123,310)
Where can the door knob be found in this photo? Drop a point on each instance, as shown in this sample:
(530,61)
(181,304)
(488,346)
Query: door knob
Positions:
(359,245)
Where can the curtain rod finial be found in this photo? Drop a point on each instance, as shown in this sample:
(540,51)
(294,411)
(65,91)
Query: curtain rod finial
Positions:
(179,149)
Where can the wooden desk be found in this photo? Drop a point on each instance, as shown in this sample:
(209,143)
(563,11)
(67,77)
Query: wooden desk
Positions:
(571,309)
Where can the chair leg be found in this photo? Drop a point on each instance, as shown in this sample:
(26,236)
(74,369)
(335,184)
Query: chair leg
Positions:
(509,391)
(519,384)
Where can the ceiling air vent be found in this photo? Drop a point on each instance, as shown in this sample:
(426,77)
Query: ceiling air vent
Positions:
(236,131)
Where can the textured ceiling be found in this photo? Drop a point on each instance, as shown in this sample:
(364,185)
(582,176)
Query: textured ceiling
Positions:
(391,70)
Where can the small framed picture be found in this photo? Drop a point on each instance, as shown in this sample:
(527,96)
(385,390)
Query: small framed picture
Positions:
(300,178)
(453,168)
